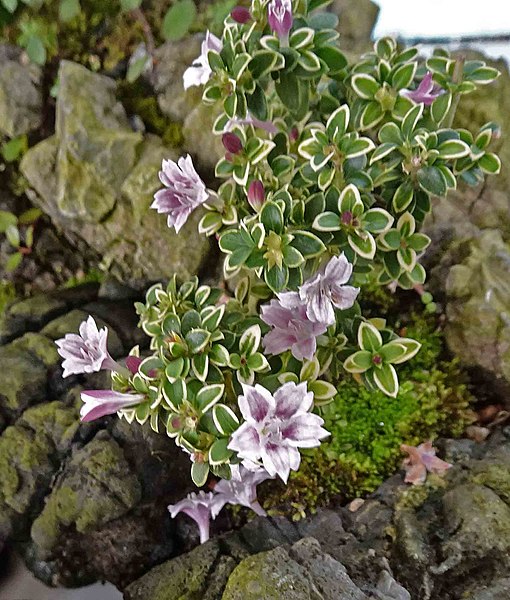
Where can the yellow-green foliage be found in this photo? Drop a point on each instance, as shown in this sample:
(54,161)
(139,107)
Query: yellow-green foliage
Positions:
(367,428)
(7,294)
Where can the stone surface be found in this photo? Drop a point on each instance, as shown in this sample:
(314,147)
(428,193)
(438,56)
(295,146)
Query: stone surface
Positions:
(114,174)
(20,94)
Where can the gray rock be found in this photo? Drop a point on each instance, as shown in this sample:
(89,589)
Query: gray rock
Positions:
(20,94)
(357,19)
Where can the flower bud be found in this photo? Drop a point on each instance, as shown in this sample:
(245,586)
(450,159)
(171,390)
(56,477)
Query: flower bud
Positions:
(232,143)
(279,16)
(256,195)
(240,14)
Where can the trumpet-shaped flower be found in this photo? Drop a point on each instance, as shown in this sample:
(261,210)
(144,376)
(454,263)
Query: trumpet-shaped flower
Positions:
(291,327)
(200,71)
(279,16)
(99,403)
(241,489)
(184,191)
(327,289)
(198,507)
(425,93)
(240,14)
(86,352)
(275,426)
(420,460)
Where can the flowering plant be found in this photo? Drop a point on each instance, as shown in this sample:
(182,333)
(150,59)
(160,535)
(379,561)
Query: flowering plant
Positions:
(328,174)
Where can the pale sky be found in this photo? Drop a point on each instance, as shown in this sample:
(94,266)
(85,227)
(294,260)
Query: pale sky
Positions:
(442,17)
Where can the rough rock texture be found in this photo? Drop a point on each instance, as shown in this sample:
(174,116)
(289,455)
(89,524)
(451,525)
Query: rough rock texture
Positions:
(20,93)
(357,20)
(185,106)
(469,259)
(448,539)
(96,177)
(82,502)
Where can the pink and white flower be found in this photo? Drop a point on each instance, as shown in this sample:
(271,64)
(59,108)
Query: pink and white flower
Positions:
(198,507)
(279,16)
(241,489)
(184,191)
(291,329)
(326,290)
(99,403)
(425,93)
(86,352)
(420,460)
(275,426)
(200,70)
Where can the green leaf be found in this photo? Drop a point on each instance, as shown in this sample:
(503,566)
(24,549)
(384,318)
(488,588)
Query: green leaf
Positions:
(197,340)
(392,352)
(13,149)
(219,355)
(200,366)
(36,50)
(322,391)
(403,196)
(432,181)
(377,220)
(451,149)
(174,393)
(136,68)
(13,236)
(219,453)
(369,337)
(390,133)
(68,10)
(208,396)
(257,362)
(199,473)
(440,107)
(262,63)
(250,340)
(403,76)
(490,163)
(277,278)
(178,20)
(308,244)
(365,86)
(327,221)
(371,115)
(271,217)
(364,246)
(390,240)
(30,216)
(411,348)
(418,241)
(211,316)
(7,219)
(174,369)
(13,262)
(224,419)
(359,362)
(410,120)
(386,380)
(333,57)
(338,122)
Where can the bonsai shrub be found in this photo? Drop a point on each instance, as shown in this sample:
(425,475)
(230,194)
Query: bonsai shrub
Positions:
(327,177)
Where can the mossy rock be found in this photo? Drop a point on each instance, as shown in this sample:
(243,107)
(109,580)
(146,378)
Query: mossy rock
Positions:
(184,578)
(96,487)
(39,346)
(23,382)
(55,420)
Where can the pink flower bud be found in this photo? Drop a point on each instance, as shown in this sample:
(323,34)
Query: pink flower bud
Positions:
(256,195)
(241,15)
(279,16)
(232,143)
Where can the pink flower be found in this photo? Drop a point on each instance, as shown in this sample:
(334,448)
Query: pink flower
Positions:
(276,426)
(99,403)
(249,120)
(241,489)
(86,352)
(256,195)
(200,71)
(198,507)
(291,328)
(425,93)
(420,460)
(279,16)
(327,289)
(184,191)
(241,15)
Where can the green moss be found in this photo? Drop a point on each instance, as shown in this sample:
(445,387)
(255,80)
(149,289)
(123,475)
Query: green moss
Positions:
(7,295)
(367,428)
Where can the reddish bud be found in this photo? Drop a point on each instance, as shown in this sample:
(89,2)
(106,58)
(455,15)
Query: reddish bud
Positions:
(256,194)
(232,143)
(294,134)
(241,15)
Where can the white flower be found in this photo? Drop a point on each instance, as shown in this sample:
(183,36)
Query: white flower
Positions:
(241,489)
(200,71)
